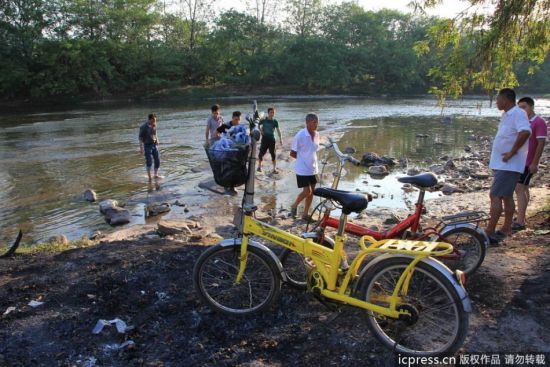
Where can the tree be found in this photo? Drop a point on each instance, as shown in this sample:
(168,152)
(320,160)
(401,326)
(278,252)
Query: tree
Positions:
(303,16)
(195,11)
(476,49)
(262,8)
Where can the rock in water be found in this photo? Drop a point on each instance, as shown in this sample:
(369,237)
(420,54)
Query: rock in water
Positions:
(117,216)
(90,195)
(373,159)
(378,170)
(156,209)
(106,205)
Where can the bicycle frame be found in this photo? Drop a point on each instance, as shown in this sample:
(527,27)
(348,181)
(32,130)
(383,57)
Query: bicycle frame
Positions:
(412,221)
(325,271)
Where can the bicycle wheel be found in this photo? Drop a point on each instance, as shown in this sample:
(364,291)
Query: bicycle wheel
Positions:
(214,280)
(293,263)
(470,245)
(438,323)
(315,217)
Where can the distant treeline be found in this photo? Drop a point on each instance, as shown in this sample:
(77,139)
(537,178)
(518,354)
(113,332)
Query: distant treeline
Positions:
(93,48)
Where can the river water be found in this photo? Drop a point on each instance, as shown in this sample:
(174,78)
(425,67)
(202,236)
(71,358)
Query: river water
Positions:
(49,158)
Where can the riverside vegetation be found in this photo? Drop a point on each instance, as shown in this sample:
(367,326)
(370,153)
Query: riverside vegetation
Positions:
(57,50)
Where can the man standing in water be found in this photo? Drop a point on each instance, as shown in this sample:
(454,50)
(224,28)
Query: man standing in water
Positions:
(267,128)
(304,150)
(148,144)
(508,158)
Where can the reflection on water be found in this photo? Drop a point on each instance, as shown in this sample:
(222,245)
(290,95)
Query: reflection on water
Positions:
(48,159)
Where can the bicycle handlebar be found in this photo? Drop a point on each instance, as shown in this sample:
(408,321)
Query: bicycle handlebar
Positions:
(344,157)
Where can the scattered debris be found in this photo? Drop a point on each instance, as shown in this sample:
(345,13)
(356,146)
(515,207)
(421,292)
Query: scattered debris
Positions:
(35,304)
(121,326)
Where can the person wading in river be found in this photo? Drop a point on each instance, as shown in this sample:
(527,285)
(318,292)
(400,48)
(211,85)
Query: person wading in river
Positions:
(148,144)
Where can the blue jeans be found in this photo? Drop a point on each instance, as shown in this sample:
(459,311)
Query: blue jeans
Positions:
(151,153)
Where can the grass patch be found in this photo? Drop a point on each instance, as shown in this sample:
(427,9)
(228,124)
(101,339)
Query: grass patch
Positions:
(55,246)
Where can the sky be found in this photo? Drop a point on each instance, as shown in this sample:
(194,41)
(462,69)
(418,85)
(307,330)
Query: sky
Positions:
(448,8)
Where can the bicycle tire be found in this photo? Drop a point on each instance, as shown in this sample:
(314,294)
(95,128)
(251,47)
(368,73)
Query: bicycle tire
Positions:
(295,269)
(471,244)
(214,274)
(315,217)
(428,286)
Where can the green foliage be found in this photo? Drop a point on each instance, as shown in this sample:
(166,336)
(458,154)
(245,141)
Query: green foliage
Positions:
(59,49)
(480,50)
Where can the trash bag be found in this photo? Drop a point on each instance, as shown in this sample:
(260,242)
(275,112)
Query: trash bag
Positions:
(228,164)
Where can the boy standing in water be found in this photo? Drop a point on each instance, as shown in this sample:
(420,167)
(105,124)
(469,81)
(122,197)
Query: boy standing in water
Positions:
(214,121)
(148,144)
(267,128)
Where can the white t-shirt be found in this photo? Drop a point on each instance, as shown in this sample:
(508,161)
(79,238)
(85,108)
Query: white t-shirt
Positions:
(306,148)
(511,124)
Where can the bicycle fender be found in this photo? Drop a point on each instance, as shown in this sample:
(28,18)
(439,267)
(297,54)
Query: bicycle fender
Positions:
(479,230)
(237,242)
(436,264)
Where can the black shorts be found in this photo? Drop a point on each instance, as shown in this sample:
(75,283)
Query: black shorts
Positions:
(267,143)
(504,183)
(525,177)
(304,181)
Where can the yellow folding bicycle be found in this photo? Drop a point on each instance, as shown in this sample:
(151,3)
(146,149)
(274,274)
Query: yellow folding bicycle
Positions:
(415,305)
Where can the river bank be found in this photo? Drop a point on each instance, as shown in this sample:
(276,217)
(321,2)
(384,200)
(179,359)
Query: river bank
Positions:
(145,280)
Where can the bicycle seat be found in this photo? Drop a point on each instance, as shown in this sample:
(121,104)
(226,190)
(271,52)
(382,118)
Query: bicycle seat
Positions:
(422,180)
(350,202)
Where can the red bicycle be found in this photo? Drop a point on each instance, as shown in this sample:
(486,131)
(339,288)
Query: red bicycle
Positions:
(462,230)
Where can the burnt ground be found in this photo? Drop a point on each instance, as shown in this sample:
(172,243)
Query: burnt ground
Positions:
(147,284)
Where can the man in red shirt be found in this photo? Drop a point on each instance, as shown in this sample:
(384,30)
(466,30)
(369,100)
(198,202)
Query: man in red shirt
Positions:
(539,133)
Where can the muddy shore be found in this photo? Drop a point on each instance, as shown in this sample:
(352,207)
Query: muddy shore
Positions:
(145,280)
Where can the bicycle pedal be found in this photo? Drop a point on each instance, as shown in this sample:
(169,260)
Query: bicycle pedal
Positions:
(322,301)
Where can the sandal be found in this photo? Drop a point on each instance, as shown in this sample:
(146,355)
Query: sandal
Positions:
(518,227)
(306,218)
(494,240)
(293,212)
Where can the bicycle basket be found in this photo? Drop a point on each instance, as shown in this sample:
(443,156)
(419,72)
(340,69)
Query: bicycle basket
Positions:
(228,166)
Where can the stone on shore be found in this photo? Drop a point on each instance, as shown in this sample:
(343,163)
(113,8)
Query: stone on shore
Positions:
(448,189)
(413,171)
(59,238)
(96,235)
(481,175)
(89,195)
(175,226)
(438,169)
(450,164)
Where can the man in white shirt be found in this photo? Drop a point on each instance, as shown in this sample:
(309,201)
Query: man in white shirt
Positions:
(508,158)
(304,150)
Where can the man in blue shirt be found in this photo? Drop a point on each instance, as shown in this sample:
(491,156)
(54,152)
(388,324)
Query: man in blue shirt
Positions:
(148,144)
